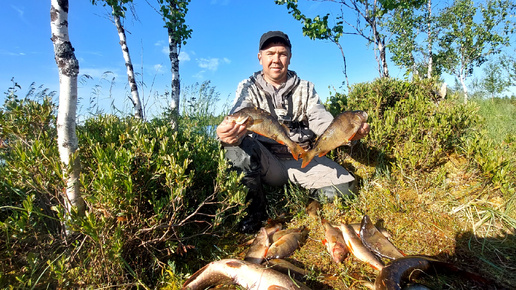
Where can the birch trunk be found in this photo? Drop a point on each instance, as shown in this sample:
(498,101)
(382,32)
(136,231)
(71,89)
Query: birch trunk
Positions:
(379,42)
(67,141)
(175,91)
(464,88)
(430,40)
(138,111)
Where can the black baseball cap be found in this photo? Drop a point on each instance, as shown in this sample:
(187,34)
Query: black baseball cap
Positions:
(274,35)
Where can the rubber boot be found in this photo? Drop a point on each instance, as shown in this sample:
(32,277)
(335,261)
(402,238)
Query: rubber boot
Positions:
(256,211)
(328,193)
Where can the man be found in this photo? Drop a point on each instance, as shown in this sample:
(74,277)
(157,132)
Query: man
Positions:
(295,103)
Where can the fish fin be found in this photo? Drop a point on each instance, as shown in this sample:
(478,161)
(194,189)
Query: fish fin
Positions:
(297,151)
(242,121)
(281,142)
(352,136)
(195,276)
(324,241)
(276,287)
(323,153)
(307,157)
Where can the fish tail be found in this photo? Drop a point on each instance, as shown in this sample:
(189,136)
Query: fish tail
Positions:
(307,157)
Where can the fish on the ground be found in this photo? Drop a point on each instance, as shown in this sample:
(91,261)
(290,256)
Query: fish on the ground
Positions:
(261,122)
(287,268)
(398,273)
(287,244)
(238,272)
(270,229)
(394,275)
(313,208)
(278,234)
(356,227)
(376,242)
(356,247)
(259,247)
(334,242)
(340,132)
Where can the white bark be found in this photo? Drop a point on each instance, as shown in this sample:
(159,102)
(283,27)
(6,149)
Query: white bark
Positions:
(66,118)
(175,89)
(464,88)
(138,111)
(430,40)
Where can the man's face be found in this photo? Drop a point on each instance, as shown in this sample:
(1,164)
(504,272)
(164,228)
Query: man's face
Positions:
(275,59)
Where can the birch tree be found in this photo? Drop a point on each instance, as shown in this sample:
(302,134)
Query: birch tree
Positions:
(368,24)
(174,12)
(469,38)
(67,141)
(118,9)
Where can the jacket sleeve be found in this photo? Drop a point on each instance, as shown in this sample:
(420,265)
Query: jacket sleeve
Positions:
(243,96)
(318,117)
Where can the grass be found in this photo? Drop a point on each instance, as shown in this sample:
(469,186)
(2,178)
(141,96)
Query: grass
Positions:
(456,203)
(452,213)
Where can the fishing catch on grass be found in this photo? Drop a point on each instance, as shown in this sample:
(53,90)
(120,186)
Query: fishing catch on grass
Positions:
(358,249)
(334,242)
(261,122)
(402,271)
(259,247)
(287,244)
(376,242)
(238,272)
(340,132)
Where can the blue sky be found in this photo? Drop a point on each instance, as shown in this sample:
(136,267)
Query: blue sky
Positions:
(223,49)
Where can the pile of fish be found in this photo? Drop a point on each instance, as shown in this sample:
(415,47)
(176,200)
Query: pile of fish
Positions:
(263,266)
(340,131)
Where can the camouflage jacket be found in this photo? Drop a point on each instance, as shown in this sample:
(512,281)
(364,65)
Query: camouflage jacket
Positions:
(295,103)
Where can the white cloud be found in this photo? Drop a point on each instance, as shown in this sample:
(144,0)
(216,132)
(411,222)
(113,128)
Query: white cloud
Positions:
(199,75)
(183,56)
(10,53)
(164,49)
(211,64)
(18,10)
(220,2)
(158,68)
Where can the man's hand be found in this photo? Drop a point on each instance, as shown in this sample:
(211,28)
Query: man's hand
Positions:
(362,132)
(230,132)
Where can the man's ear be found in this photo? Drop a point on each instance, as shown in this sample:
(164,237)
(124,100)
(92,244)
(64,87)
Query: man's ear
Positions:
(260,57)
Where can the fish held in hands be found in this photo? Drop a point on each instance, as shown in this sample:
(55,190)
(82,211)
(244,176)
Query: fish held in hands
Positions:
(340,132)
(356,247)
(238,272)
(334,242)
(263,123)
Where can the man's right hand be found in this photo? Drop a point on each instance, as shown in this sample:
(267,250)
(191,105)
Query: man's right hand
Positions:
(230,132)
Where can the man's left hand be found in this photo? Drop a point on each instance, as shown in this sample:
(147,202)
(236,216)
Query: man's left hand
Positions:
(362,132)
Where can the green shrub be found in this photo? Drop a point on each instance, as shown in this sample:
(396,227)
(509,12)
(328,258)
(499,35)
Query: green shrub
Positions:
(152,194)
(409,125)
